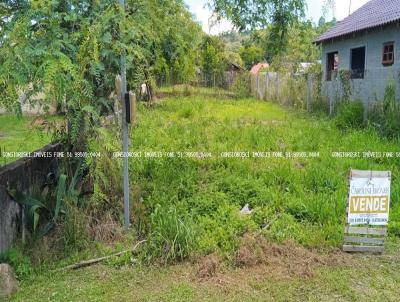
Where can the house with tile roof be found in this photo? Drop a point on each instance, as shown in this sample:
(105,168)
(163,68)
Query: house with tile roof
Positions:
(366,46)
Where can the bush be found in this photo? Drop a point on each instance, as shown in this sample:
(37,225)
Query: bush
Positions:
(75,228)
(385,116)
(350,115)
(220,230)
(320,105)
(296,92)
(19,262)
(391,112)
(241,86)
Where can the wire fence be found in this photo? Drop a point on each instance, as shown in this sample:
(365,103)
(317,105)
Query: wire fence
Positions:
(313,92)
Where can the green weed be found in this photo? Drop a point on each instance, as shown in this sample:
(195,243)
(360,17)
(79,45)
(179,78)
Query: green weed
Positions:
(300,199)
(350,115)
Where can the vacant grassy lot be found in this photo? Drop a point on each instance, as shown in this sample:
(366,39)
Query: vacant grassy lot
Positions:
(295,198)
(187,205)
(21,135)
(190,201)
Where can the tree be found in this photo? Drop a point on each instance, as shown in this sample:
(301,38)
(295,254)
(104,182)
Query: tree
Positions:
(251,55)
(212,60)
(260,13)
(70,50)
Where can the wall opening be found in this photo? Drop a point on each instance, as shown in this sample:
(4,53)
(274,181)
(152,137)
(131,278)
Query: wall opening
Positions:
(357,61)
(388,54)
(332,66)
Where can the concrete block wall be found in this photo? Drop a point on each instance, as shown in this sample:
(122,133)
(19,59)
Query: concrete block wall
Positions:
(377,76)
(23,175)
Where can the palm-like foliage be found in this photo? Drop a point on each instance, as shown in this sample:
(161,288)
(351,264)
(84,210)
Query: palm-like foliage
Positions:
(44,210)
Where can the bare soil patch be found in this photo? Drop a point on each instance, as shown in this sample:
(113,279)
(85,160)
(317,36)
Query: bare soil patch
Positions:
(261,259)
(207,267)
(287,259)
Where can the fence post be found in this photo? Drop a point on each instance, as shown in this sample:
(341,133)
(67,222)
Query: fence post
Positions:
(309,91)
(366,108)
(331,96)
(277,88)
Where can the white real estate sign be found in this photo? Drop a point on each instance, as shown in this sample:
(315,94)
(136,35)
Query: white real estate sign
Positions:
(369,198)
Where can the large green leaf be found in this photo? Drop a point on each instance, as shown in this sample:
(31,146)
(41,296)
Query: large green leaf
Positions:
(25,200)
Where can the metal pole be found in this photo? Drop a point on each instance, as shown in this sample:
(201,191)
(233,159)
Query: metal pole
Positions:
(124,135)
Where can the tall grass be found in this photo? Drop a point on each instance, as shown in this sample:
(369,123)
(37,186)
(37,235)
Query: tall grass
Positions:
(191,204)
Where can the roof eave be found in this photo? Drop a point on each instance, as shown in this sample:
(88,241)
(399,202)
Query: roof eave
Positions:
(320,41)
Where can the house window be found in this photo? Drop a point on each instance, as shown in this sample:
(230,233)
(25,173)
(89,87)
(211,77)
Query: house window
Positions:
(332,66)
(357,60)
(388,54)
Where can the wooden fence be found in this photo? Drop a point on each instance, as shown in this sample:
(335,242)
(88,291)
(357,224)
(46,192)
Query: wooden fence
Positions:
(299,91)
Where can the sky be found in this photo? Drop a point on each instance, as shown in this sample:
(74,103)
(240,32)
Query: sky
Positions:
(314,12)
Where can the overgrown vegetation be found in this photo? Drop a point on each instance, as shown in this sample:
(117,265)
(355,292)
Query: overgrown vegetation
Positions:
(350,115)
(186,204)
(390,113)
(68,52)
(187,184)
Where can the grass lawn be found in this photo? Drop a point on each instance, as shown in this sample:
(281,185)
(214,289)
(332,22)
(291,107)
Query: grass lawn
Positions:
(188,206)
(293,198)
(357,278)
(20,135)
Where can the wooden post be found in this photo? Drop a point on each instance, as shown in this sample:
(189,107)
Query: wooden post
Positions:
(309,92)
(277,87)
(132,101)
(366,107)
(330,105)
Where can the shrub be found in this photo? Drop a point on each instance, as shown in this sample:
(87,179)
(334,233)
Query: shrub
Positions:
(284,227)
(20,262)
(350,115)
(320,105)
(241,86)
(75,231)
(220,230)
(295,92)
(391,113)
(385,116)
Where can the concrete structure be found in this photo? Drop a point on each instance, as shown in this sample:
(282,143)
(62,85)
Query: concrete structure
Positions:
(22,175)
(365,48)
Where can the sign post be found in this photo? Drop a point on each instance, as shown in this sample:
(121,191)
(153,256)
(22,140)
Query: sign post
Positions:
(367,211)
(124,134)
